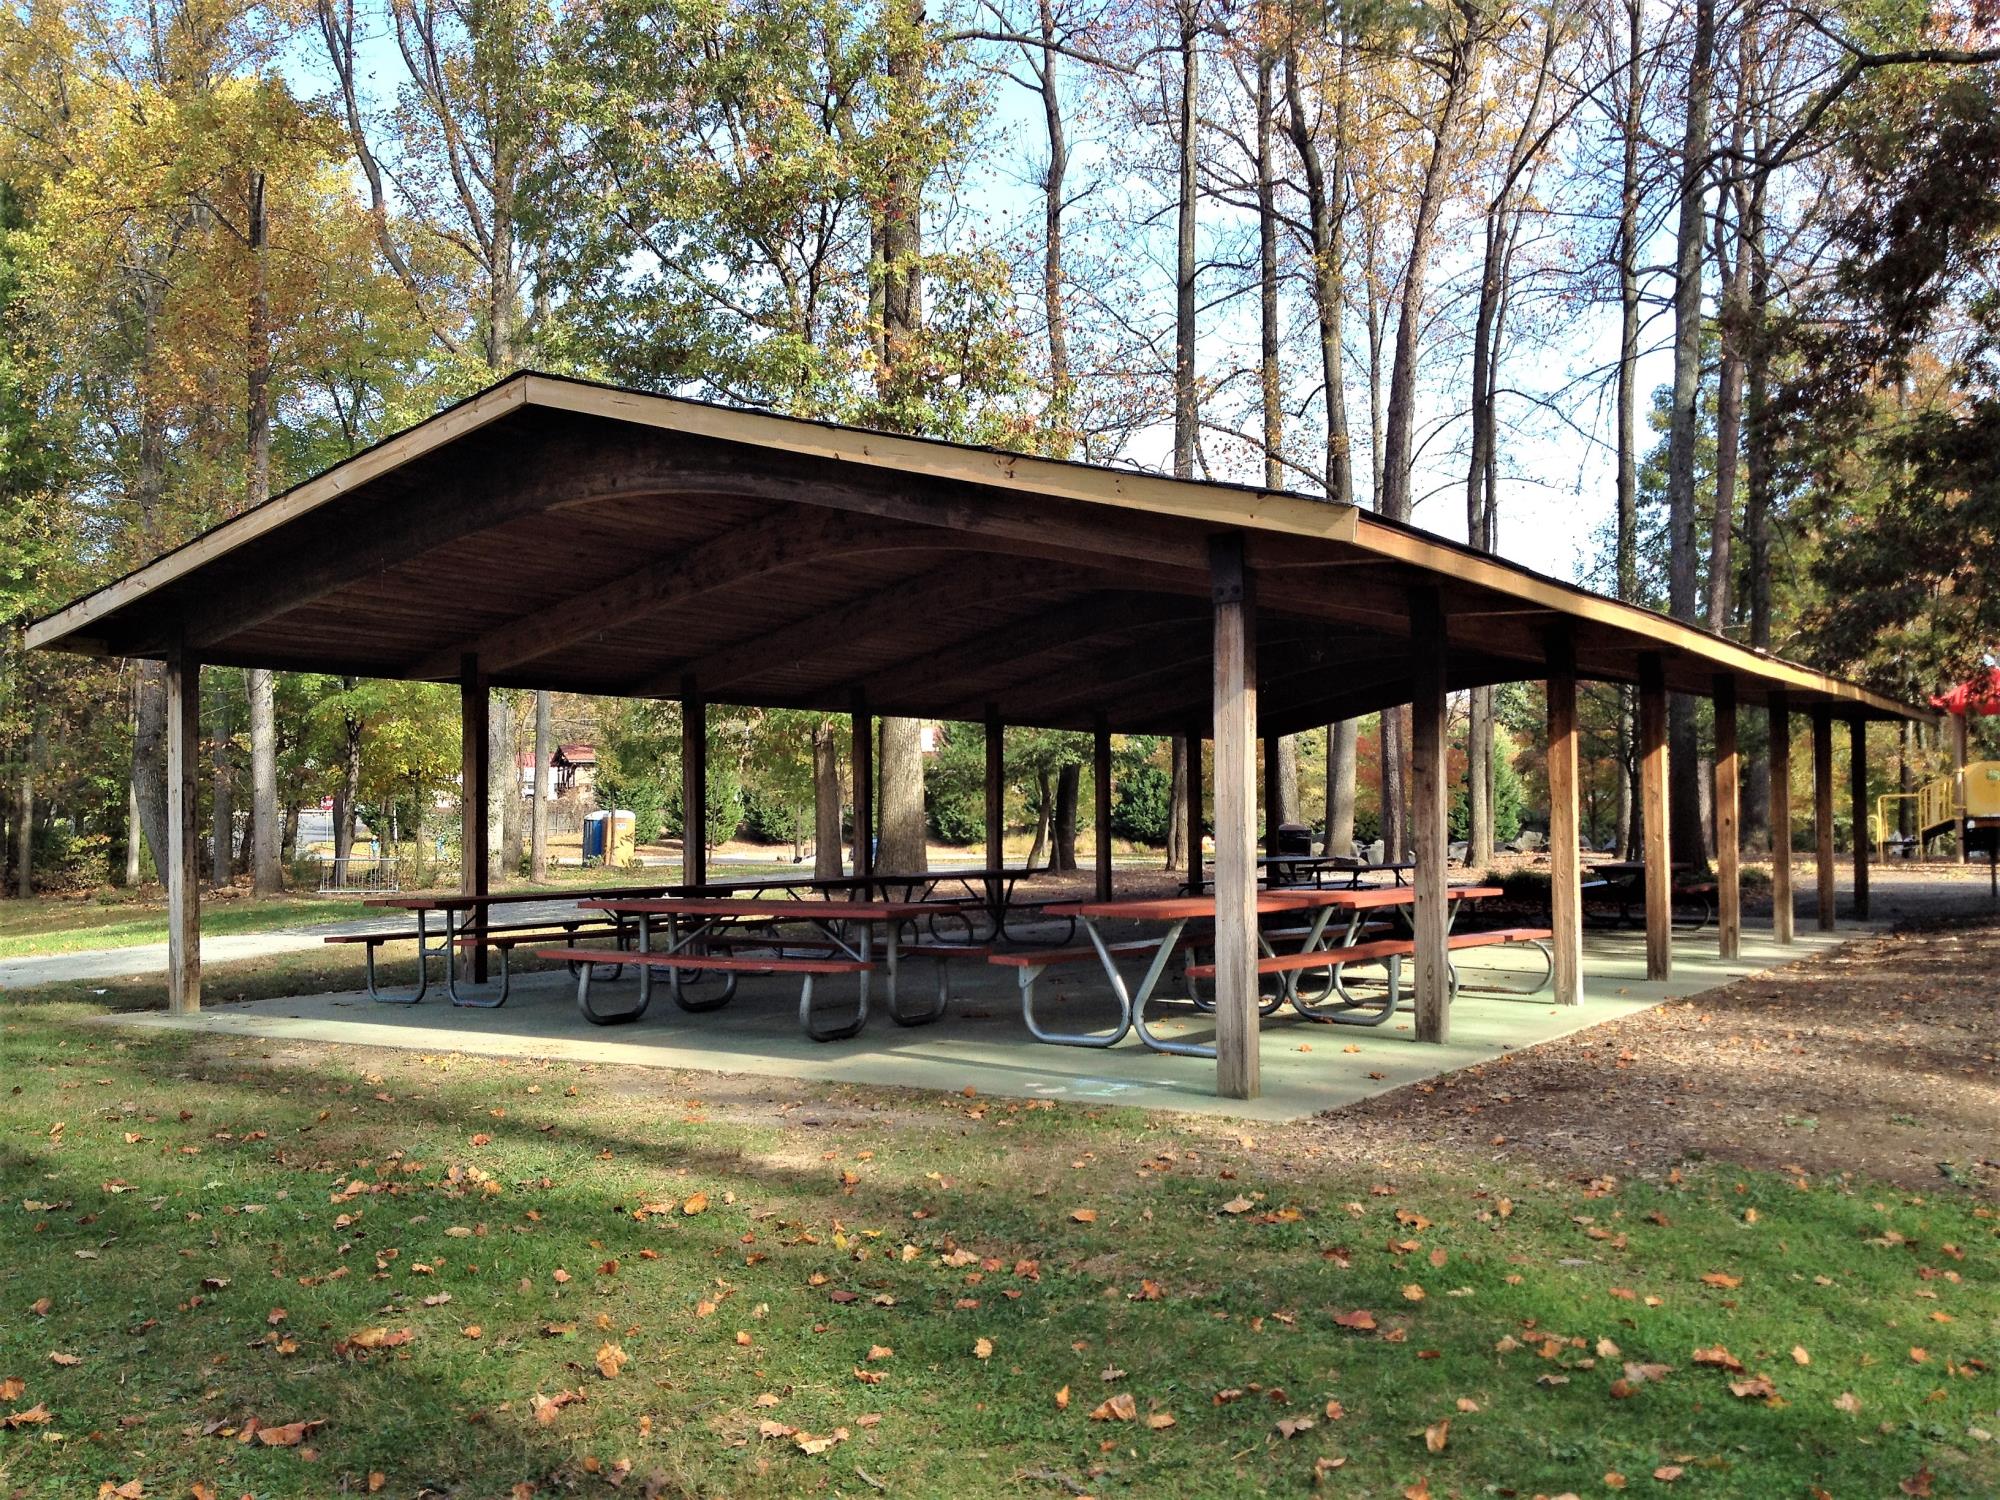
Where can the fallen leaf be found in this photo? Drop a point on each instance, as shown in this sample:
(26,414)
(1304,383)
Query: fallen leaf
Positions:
(1062,1399)
(288,1434)
(983,1349)
(1756,1388)
(1360,1319)
(1238,1205)
(1160,1420)
(1722,1279)
(1084,1215)
(610,1360)
(694,1204)
(1799,1355)
(1668,1473)
(1436,1435)
(1119,1408)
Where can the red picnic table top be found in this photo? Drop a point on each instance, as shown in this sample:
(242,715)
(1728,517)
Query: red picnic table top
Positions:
(801,911)
(1181,908)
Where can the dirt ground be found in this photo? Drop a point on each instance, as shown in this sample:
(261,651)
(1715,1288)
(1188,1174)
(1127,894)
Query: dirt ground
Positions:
(1880,1059)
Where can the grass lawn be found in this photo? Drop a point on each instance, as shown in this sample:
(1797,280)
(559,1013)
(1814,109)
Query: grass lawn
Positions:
(480,1279)
(56,924)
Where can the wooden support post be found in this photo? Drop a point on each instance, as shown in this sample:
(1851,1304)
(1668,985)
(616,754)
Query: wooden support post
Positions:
(1728,822)
(1429,830)
(1857,781)
(694,785)
(1101,805)
(996,789)
(1782,915)
(1193,811)
(1237,1041)
(864,789)
(1653,810)
(1822,734)
(183,875)
(1565,832)
(474,769)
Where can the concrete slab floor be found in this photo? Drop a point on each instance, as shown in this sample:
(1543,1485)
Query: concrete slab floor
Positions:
(981,1044)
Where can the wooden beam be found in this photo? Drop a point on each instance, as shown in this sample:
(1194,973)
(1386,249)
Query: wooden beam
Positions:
(182,874)
(972,584)
(1429,827)
(1237,1041)
(1728,823)
(694,785)
(1565,830)
(996,789)
(793,537)
(1101,803)
(972,674)
(474,769)
(864,788)
(1782,914)
(1653,811)
(1822,741)
(1857,779)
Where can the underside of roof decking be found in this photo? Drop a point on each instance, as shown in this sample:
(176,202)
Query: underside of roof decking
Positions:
(596,541)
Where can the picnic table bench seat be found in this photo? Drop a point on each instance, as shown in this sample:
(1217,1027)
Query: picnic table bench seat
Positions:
(808,969)
(502,938)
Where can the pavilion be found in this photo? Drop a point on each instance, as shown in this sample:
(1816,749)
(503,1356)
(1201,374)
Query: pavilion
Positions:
(552,533)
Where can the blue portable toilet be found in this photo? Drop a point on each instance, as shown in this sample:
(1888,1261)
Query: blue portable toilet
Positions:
(596,829)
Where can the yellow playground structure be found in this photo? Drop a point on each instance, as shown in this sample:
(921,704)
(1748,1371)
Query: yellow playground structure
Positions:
(1938,803)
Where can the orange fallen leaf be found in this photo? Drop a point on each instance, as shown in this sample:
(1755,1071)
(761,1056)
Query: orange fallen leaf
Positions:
(983,1349)
(1118,1408)
(1160,1420)
(288,1434)
(1062,1399)
(1668,1473)
(1722,1279)
(610,1360)
(1437,1435)
(694,1203)
(1360,1319)
(1084,1215)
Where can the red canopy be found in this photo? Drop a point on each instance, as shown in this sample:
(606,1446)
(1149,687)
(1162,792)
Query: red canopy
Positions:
(1979,696)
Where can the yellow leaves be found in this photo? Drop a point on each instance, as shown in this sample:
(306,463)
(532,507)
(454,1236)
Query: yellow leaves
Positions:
(1062,1399)
(983,1349)
(610,1360)
(1119,1408)
(882,1351)
(1799,1355)
(1413,1293)
(1668,1473)
(67,1361)
(287,1434)
(694,1203)
(1848,1402)
(131,1489)
(472,1331)
(1437,1435)
(560,1276)
(1720,1358)
(1083,1215)
(1238,1205)
(1361,1320)
(1755,1388)
(1159,1421)
(1723,1280)
(34,1416)
(11,1388)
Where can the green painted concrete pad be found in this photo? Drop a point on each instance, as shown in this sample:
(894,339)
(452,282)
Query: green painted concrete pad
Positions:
(982,1044)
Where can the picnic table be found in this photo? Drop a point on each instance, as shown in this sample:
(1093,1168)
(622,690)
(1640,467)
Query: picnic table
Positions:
(708,938)
(469,926)
(988,891)
(1319,871)
(1314,952)
(1622,882)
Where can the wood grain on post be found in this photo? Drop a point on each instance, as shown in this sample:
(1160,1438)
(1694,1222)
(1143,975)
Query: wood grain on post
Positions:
(1565,831)
(183,690)
(1728,822)
(1653,810)
(1429,829)
(1822,740)
(1237,1063)
(1782,915)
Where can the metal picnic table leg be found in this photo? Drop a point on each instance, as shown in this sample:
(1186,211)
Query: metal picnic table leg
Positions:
(423,969)
(1040,1033)
(677,987)
(453,932)
(1136,1004)
(614,1018)
(866,956)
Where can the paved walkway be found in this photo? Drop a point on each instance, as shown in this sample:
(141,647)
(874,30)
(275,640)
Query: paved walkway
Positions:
(981,1045)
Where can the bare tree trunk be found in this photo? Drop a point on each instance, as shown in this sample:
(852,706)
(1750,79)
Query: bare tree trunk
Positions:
(1046,804)
(349,787)
(1683,433)
(222,810)
(132,834)
(1063,848)
(24,818)
(1061,417)
(1177,807)
(538,821)
(1342,744)
(1186,414)
(900,766)
(503,780)
(266,871)
(1288,810)
(827,863)
(1632,135)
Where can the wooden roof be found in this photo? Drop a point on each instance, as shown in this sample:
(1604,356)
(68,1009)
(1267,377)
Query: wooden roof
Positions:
(588,539)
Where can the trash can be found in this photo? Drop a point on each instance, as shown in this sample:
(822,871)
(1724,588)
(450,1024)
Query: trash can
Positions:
(595,828)
(1295,838)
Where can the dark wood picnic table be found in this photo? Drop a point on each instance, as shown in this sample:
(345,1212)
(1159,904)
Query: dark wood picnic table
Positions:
(705,933)
(468,925)
(988,893)
(1318,871)
(1622,882)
